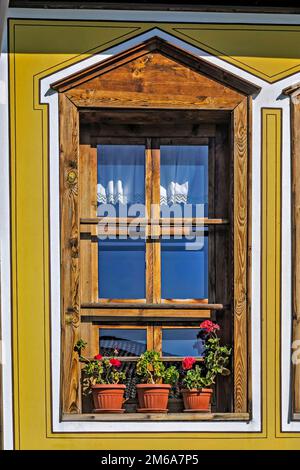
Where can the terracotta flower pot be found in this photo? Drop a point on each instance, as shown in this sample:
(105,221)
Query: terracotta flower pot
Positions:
(197,400)
(153,397)
(108,398)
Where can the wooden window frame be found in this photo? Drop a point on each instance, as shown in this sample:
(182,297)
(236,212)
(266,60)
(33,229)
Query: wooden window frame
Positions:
(240,114)
(153,233)
(294,93)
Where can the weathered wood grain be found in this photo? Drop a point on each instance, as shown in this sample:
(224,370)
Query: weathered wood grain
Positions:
(137,313)
(69,150)
(155,306)
(145,82)
(240,257)
(249,253)
(157,46)
(158,417)
(124,221)
(88,239)
(295,126)
(153,263)
(157,339)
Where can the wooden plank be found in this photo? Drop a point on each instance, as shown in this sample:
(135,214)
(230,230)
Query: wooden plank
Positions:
(148,313)
(124,221)
(69,150)
(155,306)
(143,54)
(153,280)
(224,259)
(295,126)
(155,213)
(249,253)
(87,334)
(88,209)
(150,342)
(148,202)
(157,339)
(158,417)
(99,98)
(154,233)
(294,93)
(130,85)
(240,257)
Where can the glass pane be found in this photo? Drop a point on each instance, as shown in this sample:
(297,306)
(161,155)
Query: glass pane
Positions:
(184,268)
(182,342)
(121,269)
(184,179)
(121,176)
(128,342)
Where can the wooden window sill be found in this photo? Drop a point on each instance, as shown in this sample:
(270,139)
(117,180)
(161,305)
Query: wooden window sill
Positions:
(157,417)
(163,310)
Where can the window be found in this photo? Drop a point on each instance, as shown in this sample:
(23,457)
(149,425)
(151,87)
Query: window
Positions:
(175,155)
(161,226)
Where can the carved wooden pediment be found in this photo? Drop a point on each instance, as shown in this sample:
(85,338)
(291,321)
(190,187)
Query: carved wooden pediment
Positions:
(155,74)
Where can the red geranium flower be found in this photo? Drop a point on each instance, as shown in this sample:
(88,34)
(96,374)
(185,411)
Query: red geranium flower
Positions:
(209,326)
(98,357)
(115,362)
(188,363)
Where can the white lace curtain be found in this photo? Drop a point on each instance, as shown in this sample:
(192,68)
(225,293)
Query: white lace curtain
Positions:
(121,174)
(183,175)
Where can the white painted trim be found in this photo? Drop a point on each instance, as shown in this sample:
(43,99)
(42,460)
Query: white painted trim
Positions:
(5,268)
(52,100)
(3,17)
(155,16)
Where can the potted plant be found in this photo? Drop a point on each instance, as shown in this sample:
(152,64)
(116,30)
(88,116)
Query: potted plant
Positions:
(198,378)
(104,379)
(157,379)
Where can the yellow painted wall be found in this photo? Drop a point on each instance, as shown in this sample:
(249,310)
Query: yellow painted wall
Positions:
(39,48)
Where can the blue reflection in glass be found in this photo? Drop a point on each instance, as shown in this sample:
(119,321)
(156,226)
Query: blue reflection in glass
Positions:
(184,271)
(182,342)
(128,342)
(184,178)
(121,269)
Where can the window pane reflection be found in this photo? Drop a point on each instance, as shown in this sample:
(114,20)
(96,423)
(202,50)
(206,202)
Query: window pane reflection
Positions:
(128,342)
(121,269)
(182,342)
(184,268)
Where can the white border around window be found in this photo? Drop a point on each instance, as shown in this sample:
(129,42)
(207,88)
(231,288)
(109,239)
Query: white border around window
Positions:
(52,100)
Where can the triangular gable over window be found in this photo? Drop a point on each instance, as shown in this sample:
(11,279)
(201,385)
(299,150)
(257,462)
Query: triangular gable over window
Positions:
(155,74)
